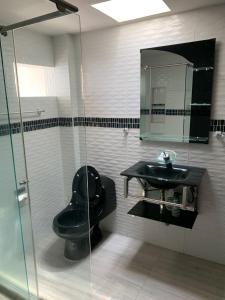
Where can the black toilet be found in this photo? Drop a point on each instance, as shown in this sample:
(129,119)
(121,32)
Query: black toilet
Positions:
(78,219)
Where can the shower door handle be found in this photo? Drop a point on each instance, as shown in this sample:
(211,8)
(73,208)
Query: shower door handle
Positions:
(23,182)
(22,194)
(22,198)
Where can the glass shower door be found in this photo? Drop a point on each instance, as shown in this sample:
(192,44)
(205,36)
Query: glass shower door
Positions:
(14,244)
(48,76)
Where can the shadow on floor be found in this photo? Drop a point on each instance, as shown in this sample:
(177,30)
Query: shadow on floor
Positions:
(52,256)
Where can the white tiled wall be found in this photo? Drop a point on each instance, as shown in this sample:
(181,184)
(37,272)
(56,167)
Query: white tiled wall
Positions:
(11,246)
(67,61)
(44,170)
(44,160)
(53,155)
(112,86)
(43,147)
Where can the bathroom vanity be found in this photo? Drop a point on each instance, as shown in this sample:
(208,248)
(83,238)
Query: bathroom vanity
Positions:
(176,97)
(169,194)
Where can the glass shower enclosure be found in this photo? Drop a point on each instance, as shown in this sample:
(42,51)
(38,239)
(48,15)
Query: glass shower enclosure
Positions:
(15,223)
(42,147)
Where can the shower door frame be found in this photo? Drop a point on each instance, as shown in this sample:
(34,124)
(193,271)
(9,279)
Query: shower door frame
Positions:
(4,30)
(24,183)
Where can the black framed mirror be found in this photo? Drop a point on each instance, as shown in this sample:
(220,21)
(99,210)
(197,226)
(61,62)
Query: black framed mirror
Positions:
(176,92)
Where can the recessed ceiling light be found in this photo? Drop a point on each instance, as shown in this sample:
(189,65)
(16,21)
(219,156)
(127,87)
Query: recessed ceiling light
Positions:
(125,10)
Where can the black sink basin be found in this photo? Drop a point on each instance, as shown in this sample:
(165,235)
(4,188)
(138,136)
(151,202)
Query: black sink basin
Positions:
(164,172)
(160,176)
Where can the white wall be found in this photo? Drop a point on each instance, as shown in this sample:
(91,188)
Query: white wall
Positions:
(45,171)
(112,87)
(53,155)
(67,62)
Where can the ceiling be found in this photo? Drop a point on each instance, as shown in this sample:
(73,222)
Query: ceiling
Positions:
(16,10)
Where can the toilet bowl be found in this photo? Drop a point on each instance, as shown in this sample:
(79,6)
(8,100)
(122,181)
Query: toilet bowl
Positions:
(88,206)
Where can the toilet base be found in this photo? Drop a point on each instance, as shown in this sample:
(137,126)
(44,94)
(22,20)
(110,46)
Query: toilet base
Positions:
(76,250)
(96,236)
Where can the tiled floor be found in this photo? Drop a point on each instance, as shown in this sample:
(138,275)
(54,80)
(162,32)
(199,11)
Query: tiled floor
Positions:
(59,278)
(127,269)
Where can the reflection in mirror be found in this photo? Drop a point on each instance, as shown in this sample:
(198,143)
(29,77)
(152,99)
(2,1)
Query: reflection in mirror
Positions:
(176,90)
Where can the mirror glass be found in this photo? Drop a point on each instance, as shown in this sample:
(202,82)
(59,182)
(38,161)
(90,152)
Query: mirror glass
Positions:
(176,92)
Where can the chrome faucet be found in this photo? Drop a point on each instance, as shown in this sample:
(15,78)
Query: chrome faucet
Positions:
(167,160)
(167,157)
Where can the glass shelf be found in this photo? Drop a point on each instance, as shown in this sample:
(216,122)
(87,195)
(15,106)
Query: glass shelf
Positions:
(152,211)
(203,69)
(168,138)
(200,104)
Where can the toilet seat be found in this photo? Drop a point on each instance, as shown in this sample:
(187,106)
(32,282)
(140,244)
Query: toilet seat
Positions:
(79,186)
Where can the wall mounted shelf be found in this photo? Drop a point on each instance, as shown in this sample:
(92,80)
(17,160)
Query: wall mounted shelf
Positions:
(151,211)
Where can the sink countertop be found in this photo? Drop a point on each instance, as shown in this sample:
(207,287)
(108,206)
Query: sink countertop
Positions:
(193,178)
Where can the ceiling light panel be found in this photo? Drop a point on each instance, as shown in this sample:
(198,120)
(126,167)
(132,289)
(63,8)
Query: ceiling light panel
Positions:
(125,10)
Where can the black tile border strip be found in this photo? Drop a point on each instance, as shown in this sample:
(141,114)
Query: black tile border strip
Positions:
(107,122)
(199,111)
(163,111)
(215,125)
(28,126)
(40,124)
(65,122)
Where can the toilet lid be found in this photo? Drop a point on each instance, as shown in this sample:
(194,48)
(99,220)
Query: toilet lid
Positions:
(94,184)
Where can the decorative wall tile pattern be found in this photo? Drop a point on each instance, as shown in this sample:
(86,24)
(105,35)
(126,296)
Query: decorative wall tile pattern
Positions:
(161,111)
(65,122)
(29,126)
(112,88)
(215,125)
(107,122)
